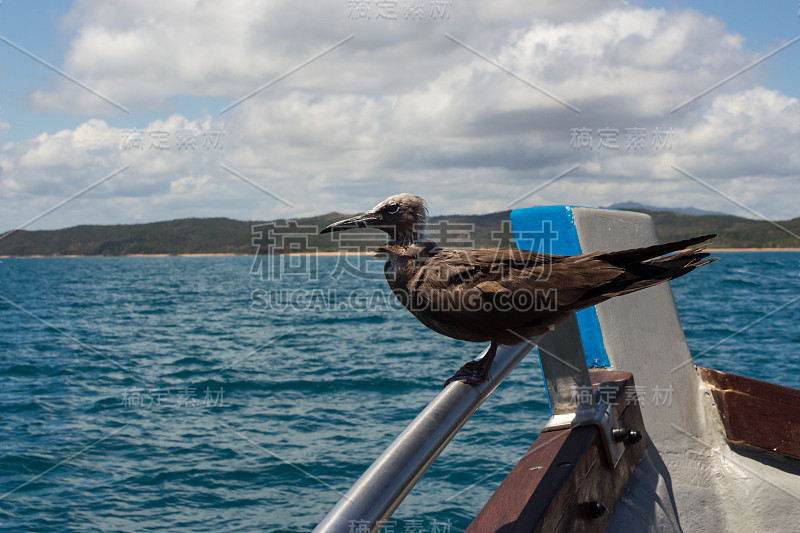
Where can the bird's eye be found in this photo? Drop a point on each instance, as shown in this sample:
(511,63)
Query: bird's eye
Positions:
(392,209)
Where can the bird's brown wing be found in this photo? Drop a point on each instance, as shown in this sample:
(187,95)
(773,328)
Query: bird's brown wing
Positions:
(478,294)
(507,295)
(456,268)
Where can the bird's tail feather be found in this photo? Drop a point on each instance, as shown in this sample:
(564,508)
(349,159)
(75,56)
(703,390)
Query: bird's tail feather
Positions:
(637,255)
(645,267)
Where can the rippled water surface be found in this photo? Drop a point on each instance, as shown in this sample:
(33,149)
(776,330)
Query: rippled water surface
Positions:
(164,394)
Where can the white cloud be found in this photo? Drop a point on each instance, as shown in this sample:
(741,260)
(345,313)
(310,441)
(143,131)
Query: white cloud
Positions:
(402,108)
(141,53)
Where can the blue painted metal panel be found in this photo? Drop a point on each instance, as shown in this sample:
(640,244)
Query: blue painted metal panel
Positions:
(551,229)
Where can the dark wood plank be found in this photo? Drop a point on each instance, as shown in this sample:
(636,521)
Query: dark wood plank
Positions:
(752,387)
(564,470)
(756,413)
(524,496)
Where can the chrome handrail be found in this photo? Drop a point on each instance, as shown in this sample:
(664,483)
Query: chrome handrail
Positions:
(384,485)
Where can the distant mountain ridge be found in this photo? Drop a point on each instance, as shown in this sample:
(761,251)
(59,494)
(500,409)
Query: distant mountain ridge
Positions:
(228,236)
(635,206)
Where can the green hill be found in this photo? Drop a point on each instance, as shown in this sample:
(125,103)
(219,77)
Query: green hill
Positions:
(732,232)
(224,235)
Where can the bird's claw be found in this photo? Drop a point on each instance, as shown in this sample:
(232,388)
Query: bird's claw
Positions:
(472,373)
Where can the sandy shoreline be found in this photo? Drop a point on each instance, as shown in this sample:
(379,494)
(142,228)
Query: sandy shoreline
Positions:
(711,250)
(127,255)
(181,255)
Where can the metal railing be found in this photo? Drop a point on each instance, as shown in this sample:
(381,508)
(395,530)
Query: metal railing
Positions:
(385,484)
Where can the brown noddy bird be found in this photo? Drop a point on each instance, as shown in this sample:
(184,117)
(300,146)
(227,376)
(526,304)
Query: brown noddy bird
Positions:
(505,295)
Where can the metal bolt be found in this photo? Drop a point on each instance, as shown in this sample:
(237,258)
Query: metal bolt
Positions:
(595,509)
(619,434)
(630,436)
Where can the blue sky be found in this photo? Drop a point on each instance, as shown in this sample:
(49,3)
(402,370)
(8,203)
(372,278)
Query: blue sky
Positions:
(397,106)
(42,28)
(34,26)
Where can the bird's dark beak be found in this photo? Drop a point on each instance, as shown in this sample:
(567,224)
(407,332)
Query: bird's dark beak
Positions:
(364,220)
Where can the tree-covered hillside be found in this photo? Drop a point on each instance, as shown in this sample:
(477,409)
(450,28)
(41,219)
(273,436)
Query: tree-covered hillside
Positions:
(224,235)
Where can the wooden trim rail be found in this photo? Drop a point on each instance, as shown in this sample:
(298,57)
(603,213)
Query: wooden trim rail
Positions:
(755,412)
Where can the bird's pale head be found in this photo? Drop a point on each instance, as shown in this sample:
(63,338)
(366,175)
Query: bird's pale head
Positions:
(402,216)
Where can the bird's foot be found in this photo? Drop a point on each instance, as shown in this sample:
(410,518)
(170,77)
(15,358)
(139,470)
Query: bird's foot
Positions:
(473,373)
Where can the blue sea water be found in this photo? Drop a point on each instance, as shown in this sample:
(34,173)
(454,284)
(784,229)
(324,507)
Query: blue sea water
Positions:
(190,394)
